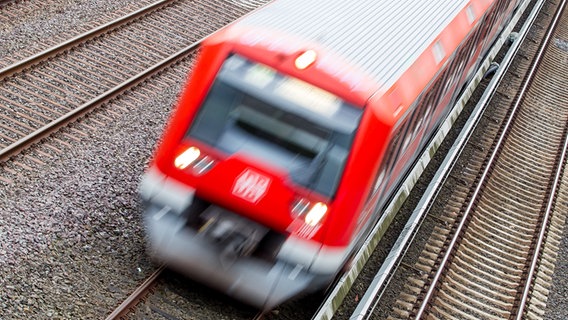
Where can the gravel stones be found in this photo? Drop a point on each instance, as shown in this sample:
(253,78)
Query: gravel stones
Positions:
(71,235)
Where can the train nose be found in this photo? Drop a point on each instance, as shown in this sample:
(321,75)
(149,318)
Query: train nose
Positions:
(219,248)
(220,258)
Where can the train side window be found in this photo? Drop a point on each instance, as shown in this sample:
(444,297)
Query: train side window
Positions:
(413,124)
(384,168)
(407,138)
(426,104)
(416,122)
(406,131)
(379,184)
(440,86)
(379,180)
(421,110)
(477,36)
(392,150)
(423,118)
(486,26)
(491,17)
(470,45)
(454,74)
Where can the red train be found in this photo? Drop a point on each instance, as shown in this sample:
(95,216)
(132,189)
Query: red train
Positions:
(298,122)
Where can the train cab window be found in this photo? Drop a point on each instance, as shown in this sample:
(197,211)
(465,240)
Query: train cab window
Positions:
(252,109)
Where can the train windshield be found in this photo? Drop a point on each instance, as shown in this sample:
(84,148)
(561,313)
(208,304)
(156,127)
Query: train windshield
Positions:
(252,109)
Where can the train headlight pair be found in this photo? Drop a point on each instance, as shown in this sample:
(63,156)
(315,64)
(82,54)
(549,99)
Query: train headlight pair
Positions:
(195,159)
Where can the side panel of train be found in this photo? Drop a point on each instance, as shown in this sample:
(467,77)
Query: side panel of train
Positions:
(414,129)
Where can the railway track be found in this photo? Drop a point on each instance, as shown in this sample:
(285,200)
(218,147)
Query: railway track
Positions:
(49,90)
(24,59)
(71,78)
(141,293)
(491,247)
(158,298)
(57,20)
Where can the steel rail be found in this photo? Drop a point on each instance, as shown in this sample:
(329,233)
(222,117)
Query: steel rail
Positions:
(489,166)
(537,250)
(60,122)
(50,52)
(542,234)
(133,298)
(140,293)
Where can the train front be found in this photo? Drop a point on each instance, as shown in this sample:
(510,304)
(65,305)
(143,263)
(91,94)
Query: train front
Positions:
(246,179)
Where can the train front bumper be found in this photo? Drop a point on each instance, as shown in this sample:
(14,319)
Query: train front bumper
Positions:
(252,280)
(263,283)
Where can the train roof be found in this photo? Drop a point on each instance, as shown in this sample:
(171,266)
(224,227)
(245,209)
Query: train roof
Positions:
(381,37)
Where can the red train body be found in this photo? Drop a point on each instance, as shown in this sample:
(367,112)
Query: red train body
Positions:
(297,123)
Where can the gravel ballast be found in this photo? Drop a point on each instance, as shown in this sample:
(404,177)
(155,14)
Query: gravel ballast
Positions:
(71,237)
(37,29)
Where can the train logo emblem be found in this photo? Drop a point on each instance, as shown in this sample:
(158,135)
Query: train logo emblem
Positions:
(251,186)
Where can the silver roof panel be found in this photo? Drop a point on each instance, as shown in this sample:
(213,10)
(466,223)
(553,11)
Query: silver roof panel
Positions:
(382,37)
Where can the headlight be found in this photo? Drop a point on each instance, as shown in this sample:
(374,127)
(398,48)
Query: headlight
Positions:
(307,216)
(316,213)
(196,160)
(187,158)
